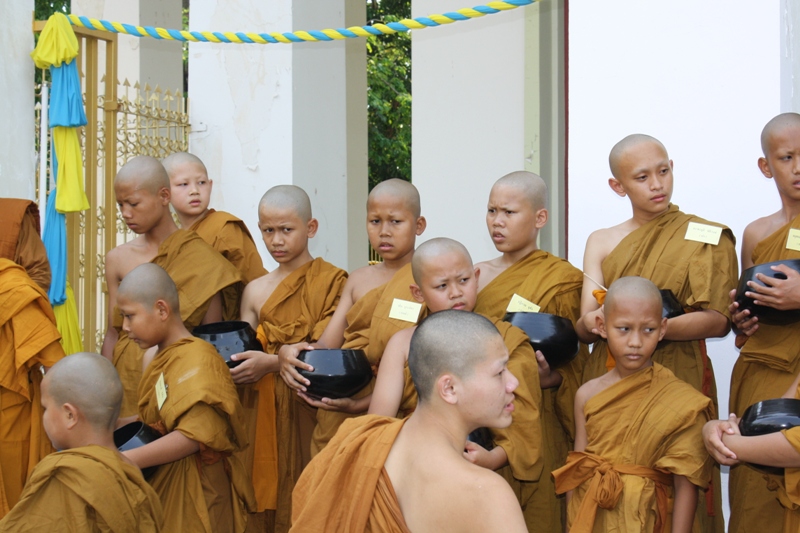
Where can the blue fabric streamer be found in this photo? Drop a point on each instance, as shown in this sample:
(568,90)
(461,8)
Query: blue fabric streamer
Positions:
(66,104)
(54,237)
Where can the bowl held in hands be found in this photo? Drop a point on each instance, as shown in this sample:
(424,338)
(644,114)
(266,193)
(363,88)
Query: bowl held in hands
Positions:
(482,437)
(770,416)
(766,315)
(553,335)
(670,306)
(337,373)
(231,337)
(135,435)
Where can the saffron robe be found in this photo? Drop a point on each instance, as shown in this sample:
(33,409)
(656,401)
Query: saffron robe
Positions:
(555,286)
(28,341)
(767,365)
(199,272)
(298,310)
(209,491)
(789,487)
(345,487)
(90,488)
(640,431)
(20,239)
(369,328)
(230,237)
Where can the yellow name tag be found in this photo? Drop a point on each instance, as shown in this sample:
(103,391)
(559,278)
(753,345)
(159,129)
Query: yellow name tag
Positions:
(793,242)
(161,391)
(703,233)
(405,310)
(518,304)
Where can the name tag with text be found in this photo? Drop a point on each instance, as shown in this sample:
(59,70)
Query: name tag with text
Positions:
(518,304)
(405,310)
(703,233)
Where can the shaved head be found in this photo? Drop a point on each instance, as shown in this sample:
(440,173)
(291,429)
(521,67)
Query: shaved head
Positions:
(776,126)
(178,159)
(147,284)
(625,145)
(633,288)
(531,186)
(397,188)
(90,383)
(144,172)
(287,197)
(452,342)
(429,251)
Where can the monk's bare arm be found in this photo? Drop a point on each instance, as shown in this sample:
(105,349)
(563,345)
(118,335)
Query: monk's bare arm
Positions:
(113,279)
(750,238)
(792,390)
(497,509)
(249,309)
(214,312)
(580,420)
(389,384)
(172,447)
(704,324)
(684,506)
(773,449)
(593,268)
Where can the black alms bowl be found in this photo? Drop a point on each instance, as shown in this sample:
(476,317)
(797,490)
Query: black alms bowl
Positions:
(670,306)
(766,315)
(135,435)
(337,373)
(234,336)
(770,416)
(553,335)
(482,437)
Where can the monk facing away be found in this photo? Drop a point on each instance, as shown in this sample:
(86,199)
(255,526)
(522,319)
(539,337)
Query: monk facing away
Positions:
(208,285)
(20,239)
(770,355)
(190,194)
(444,278)
(692,257)
(293,303)
(29,341)
(523,278)
(188,395)
(638,437)
(376,303)
(87,485)
(386,475)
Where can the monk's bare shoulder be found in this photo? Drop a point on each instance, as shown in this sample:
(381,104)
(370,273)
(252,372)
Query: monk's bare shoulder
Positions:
(127,256)
(757,231)
(489,270)
(485,502)
(603,241)
(364,279)
(593,387)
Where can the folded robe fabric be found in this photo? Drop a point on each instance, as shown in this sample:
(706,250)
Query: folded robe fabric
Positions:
(20,240)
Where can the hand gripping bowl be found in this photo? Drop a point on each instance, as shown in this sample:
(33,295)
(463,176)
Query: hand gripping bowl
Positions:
(553,335)
(234,336)
(670,306)
(766,315)
(135,435)
(337,373)
(770,416)
(482,437)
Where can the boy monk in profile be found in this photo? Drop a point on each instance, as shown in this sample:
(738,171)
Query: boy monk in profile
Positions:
(188,395)
(293,303)
(208,284)
(770,355)
(29,340)
(381,474)
(526,278)
(444,278)
(376,303)
(190,193)
(638,437)
(88,485)
(692,257)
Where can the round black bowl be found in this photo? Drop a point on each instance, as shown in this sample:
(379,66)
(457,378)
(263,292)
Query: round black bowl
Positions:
(482,437)
(770,416)
(553,335)
(670,306)
(337,373)
(766,315)
(234,336)
(135,435)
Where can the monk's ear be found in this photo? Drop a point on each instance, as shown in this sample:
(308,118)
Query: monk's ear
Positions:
(421,225)
(763,166)
(416,293)
(446,388)
(541,218)
(164,195)
(477,272)
(313,226)
(70,413)
(600,325)
(617,187)
(663,331)
(162,309)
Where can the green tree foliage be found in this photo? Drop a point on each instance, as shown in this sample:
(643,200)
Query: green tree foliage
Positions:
(389,94)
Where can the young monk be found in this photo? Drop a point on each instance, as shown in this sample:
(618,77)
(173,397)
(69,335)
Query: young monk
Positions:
(29,341)
(692,257)
(770,355)
(188,395)
(524,276)
(20,239)
(291,304)
(190,193)
(371,307)
(638,437)
(88,485)
(209,285)
(444,278)
(381,474)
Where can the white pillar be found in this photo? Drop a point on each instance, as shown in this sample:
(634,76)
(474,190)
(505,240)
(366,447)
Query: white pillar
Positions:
(790,56)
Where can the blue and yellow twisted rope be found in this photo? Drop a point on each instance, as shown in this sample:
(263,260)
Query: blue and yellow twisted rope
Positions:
(404,25)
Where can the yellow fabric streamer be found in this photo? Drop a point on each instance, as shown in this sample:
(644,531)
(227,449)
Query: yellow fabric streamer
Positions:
(57,43)
(67,324)
(70,196)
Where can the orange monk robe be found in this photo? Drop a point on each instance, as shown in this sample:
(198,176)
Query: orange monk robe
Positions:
(90,488)
(28,341)
(230,237)
(767,366)
(20,239)
(345,487)
(199,272)
(640,432)
(789,486)
(369,328)
(209,491)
